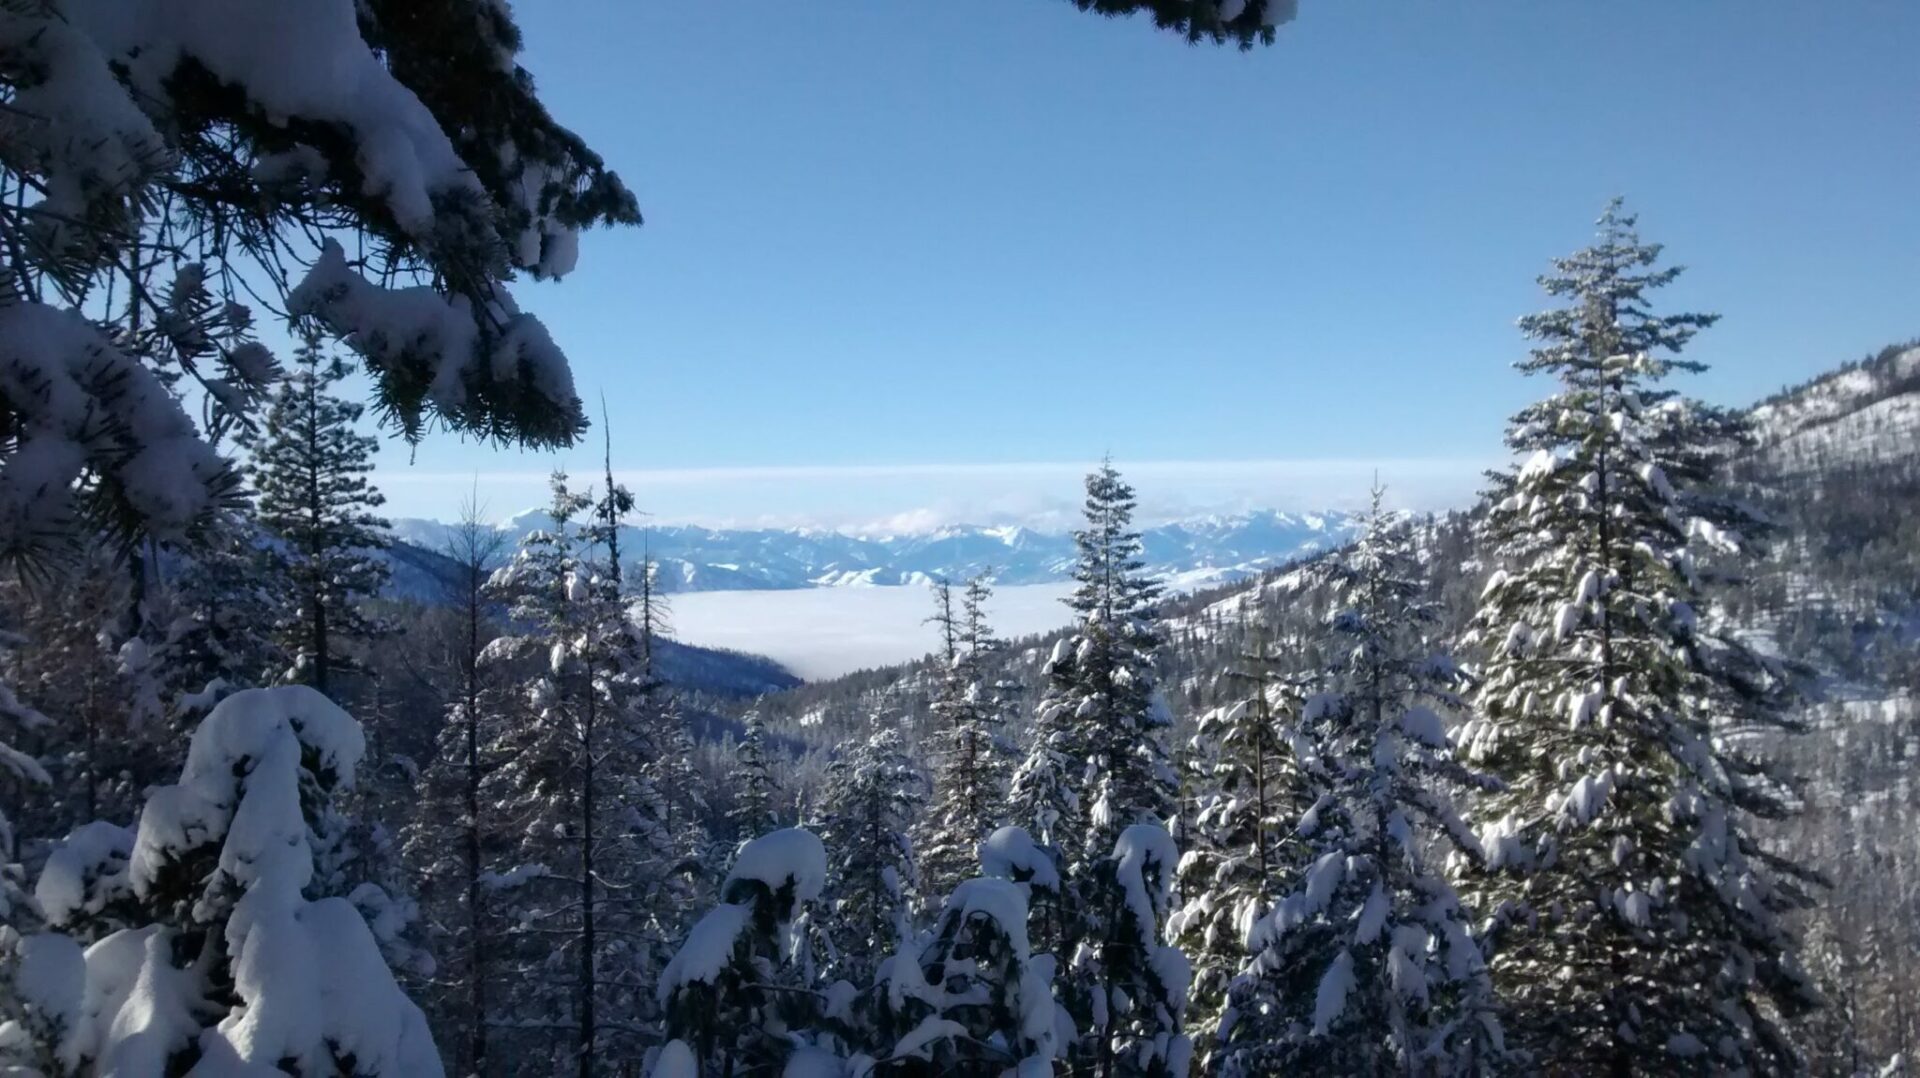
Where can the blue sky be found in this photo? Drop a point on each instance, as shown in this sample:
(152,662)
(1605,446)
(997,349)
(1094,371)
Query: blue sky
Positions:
(885,240)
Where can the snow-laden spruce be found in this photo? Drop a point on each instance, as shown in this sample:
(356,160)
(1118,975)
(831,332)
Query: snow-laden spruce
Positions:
(1097,764)
(573,792)
(969,746)
(188,943)
(1098,761)
(738,995)
(1243,844)
(1636,916)
(753,784)
(963,996)
(1105,679)
(1368,964)
(874,794)
(1128,989)
(972,996)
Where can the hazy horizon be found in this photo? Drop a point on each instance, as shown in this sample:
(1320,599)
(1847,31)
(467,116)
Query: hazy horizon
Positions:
(912,498)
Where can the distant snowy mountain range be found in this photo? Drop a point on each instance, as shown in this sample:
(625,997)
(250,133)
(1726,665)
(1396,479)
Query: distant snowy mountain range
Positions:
(1190,553)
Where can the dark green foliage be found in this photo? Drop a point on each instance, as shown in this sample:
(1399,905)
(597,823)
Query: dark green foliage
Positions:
(1217,21)
(308,466)
(1107,679)
(968,749)
(753,783)
(448,52)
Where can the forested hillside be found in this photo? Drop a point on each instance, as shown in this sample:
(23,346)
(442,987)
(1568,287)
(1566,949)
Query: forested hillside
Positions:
(1836,594)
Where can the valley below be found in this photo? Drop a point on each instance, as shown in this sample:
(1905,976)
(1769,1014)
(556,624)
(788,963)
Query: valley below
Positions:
(819,633)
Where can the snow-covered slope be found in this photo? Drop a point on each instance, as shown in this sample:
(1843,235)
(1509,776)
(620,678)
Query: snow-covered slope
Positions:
(1204,550)
(1861,415)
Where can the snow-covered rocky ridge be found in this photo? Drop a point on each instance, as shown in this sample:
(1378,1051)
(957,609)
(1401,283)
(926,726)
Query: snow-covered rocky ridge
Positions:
(1191,553)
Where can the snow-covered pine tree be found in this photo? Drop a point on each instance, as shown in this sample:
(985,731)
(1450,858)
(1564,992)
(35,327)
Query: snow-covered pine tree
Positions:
(969,749)
(308,467)
(453,837)
(1132,986)
(681,811)
(200,945)
(1043,799)
(682,790)
(1369,964)
(753,784)
(980,1003)
(572,778)
(874,797)
(1096,761)
(1638,917)
(647,896)
(168,162)
(969,997)
(1244,847)
(1103,679)
(738,996)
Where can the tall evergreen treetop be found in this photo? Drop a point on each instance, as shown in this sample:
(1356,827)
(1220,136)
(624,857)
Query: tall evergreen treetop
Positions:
(1097,770)
(1110,576)
(969,748)
(575,783)
(754,786)
(1104,675)
(1637,916)
(309,471)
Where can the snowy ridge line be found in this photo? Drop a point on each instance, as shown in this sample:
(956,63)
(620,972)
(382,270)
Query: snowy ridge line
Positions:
(1187,554)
